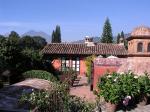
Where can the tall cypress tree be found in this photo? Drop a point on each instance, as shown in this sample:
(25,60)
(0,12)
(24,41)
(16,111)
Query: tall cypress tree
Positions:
(107,32)
(118,38)
(56,35)
(122,34)
(53,37)
(124,40)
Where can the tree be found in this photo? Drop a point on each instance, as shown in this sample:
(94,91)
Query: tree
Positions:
(40,42)
(20,54)
(122,34)
(124,40)
(27,42)
(53,37)
(56,35)
(118,38)
(107,33)
(14,35)
(2,52)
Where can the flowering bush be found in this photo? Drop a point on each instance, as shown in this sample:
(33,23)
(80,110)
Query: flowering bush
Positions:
(109,88)
(116,87)
(56,100)
(129,83)
(144,83)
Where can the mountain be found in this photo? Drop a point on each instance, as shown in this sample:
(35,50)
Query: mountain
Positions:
(37,33)
(97,39)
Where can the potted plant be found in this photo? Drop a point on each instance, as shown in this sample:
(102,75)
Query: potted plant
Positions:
(110,90)
(116,88)
(130,89)
(144,83)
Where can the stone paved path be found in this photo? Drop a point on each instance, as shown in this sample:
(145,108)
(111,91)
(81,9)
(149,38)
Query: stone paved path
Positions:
(82,89)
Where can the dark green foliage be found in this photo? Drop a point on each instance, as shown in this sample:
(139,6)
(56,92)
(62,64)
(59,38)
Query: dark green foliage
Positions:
(12,53)
(40,42)
(14,35)
(35,42)
(56,35)
(31,59)
(107,36)
(122,34)
(53,37)
(39,74)
(2,53)
(115,87)
(144,83)
(27,42)
(118,38)
(20,54)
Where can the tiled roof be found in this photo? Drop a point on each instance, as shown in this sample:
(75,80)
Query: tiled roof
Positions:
(141,31)
(99,48)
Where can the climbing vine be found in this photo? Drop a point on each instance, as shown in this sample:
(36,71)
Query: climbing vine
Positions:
(88,63)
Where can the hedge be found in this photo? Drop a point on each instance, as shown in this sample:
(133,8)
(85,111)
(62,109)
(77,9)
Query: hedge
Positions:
(40,74)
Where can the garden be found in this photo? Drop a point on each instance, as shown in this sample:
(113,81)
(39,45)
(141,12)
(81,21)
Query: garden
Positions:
(56,99)
(20,59)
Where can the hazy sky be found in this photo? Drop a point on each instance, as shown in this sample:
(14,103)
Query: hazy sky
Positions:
(77,18)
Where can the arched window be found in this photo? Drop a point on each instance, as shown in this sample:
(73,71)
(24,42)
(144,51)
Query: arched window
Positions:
(148,47)
(140,47)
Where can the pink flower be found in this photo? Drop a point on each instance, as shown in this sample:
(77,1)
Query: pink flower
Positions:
(125,102)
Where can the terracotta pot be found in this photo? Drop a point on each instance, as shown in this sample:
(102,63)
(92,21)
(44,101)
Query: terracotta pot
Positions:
(143,100)
(110,107)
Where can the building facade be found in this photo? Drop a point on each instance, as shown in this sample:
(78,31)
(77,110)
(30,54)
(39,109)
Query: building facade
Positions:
(73,55)
(138,60)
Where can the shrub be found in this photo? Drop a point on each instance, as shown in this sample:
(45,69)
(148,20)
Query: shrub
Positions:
(117,87)
(68,76)
(40,74)
(56,100)
(144,83)
(109,88)
(129,83)
(76,104)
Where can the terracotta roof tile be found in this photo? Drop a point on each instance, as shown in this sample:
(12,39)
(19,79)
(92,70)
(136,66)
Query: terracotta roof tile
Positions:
(99,48)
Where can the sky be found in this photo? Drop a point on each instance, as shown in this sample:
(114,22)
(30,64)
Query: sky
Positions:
(77,18)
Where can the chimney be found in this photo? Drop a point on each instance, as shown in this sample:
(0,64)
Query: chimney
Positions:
(89,41)
(121,41)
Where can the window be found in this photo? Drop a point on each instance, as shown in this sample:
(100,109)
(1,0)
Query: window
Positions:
(65,64)
(140,47)
(148,47)
(76,64)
